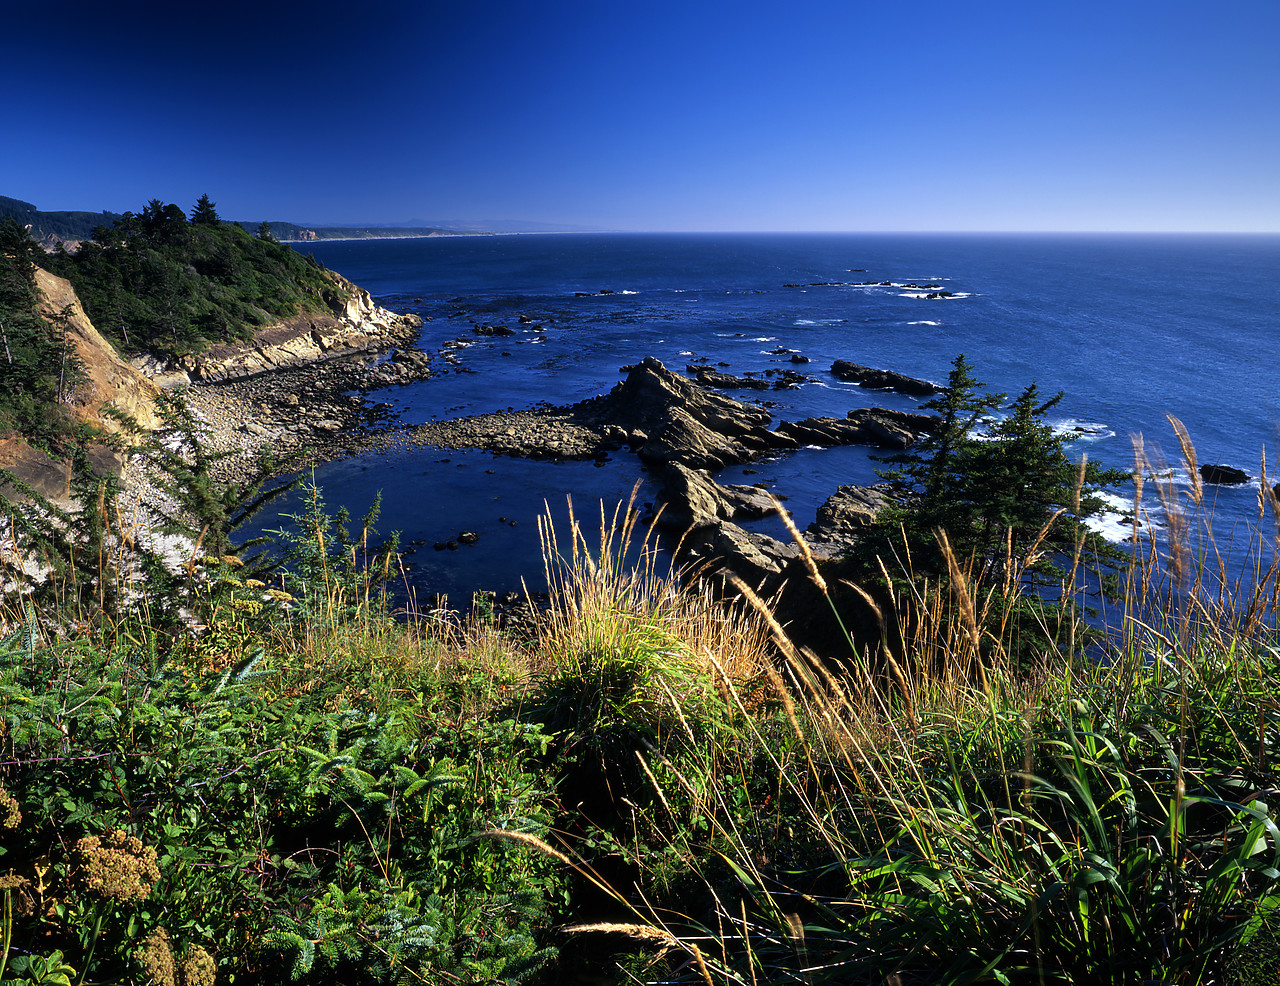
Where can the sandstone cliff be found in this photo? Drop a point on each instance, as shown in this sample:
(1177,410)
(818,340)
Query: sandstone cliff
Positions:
(108,381)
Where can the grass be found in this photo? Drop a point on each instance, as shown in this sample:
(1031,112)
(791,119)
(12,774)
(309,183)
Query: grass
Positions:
(658,786)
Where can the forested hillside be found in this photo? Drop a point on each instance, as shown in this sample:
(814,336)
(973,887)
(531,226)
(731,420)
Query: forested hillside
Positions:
(50,227)
(156,281)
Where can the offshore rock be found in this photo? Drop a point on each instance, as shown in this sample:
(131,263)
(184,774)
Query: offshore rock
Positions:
(1223,475)
(725,381)
(873,379)
(864,426)
(683,421)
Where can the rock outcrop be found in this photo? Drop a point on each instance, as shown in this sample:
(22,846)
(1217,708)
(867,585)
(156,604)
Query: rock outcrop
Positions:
(864,426)
(679,421)
(355,325)
(844,517)
(873,379)
(1223,475)
(726,549)
(690,498)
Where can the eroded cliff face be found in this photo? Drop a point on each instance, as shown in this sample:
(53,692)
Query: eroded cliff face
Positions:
(109,380)
(355,324)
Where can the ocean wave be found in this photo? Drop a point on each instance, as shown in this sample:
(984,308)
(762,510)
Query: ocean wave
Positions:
(628,292)
(1083,430)
(924,322)
(819,321)
(1115,521)
(763,339)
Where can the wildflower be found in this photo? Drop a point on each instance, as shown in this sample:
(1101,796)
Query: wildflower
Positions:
(255,584)
(280,596)
(198,967)
(156,958)
(10,816)
(22,903)
(118,866)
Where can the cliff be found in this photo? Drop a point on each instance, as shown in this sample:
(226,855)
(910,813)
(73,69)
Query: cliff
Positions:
(354,324)
(107,382)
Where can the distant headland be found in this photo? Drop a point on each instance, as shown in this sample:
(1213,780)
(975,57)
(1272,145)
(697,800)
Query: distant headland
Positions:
(70,228)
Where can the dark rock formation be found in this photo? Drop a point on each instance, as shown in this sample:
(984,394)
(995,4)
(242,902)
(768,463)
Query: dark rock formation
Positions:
(864,426)
(690,498)
(1223,475)
(725,381)
(682,421)
(846,514)
(726,548)
(872,379)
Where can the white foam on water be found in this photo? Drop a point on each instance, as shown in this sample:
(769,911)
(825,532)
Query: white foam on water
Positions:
(924,322)
(764,339)
(1081,430)
(805,321)
(1115,521)
(628,292)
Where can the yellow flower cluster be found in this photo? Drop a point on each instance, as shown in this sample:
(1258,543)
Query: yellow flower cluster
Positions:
(198,967)
(11,816)
(117,866)
(156,958)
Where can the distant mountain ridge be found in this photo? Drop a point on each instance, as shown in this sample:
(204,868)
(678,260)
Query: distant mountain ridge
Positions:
(50,228)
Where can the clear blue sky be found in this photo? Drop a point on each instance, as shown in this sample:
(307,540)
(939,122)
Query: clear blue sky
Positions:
(667,114)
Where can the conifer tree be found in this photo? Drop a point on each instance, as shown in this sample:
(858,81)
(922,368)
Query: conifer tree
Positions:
(994,493)
(204,214)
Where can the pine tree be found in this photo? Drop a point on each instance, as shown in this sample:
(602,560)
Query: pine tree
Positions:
(938,469)
(204,213)
(1000,496)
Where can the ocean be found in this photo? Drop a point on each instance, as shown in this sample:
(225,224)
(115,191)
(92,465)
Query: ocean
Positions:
(1130,327)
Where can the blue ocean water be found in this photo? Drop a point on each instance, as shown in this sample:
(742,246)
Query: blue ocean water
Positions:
(1130,327)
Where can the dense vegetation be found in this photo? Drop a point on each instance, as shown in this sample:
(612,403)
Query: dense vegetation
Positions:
(157,282)
(209,772)
(36,365)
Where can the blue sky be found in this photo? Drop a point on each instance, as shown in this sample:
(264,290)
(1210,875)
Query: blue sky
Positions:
(1123,115)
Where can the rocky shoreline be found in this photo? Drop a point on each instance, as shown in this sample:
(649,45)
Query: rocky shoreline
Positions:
(682,430)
